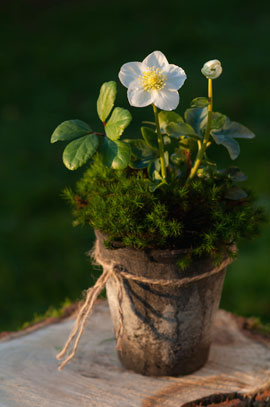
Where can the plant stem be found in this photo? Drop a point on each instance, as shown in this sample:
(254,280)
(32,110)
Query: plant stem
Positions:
(160,144)
(203,147)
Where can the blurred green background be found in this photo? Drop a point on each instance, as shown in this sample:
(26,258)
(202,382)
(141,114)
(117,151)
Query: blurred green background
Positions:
(53,57)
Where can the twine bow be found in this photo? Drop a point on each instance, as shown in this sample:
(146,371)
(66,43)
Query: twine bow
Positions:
(117,272)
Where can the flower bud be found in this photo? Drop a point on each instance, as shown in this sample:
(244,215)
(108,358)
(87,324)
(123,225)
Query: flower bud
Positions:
(212,69)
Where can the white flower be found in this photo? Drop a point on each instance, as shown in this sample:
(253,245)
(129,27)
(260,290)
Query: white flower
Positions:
(212,69)
(153,80)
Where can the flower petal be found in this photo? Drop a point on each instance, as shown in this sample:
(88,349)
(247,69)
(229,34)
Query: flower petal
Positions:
(166,99)
(156,59)
(129,72)
(138,97)
(175,77)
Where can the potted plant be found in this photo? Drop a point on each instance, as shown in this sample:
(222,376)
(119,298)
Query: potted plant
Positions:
(166,217)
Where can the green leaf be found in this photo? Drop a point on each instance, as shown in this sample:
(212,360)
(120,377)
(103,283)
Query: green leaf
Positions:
(235,130)
(166,158)
(153,169)
(167,117)
(170,144)
(228,133)
(141,150)
(199,102)
(69,130)
(79,151)
(166,140)
(116,154)
(117,123)
(178,130)
(157,176)
(106,99)
(235,174)
(139,164)
(197,117)
(177,158)
(229,143)
(218,120)
(153,185)
(236,193)
(150,137)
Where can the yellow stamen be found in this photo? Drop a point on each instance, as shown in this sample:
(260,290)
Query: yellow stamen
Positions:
(153,79)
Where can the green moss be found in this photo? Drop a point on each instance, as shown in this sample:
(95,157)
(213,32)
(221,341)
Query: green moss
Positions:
(197,217)
(255,325)
(184,262)
(52,312)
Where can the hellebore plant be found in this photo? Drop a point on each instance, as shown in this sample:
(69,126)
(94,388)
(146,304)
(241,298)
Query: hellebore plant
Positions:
(160,189)
(167,147)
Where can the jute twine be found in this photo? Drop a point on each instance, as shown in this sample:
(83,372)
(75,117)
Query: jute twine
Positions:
(116,271)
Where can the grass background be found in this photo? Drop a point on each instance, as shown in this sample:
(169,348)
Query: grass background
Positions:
(54,55)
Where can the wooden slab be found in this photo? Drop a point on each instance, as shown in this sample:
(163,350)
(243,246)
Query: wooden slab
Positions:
(95,378)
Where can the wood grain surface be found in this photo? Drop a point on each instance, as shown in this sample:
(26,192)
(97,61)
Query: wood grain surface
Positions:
(95,378)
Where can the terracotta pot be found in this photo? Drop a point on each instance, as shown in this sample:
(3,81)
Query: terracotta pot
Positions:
(167,330)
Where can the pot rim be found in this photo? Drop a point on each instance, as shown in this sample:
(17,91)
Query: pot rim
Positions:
(156,254)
